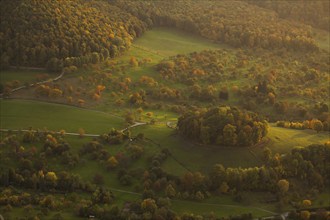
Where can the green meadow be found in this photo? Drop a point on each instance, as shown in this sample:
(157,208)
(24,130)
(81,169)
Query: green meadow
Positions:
(24,114)
(22,75)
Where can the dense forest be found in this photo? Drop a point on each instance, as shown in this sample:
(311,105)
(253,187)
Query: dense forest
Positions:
(66,33)
(314,13)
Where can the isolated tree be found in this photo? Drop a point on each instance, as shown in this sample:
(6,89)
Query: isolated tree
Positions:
(283,186)
(81,132)
(271,98)
(306,203)
(170,191)
(133,62)
(305,215)
(267,155)
(316,125)
(112,162)
(199,196)
(149,205)
(51,179)
(224,188)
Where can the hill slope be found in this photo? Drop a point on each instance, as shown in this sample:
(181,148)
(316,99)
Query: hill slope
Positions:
(41,30)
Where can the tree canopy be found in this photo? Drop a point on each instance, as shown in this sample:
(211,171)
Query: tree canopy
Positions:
(224,126)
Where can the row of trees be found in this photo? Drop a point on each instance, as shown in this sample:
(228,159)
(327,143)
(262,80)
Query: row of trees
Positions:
(313,124)
(224,126)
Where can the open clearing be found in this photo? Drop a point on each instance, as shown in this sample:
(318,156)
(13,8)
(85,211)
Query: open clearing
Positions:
(170,42)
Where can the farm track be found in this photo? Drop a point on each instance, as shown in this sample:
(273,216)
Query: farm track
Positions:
(69,133)
(35,84)
(148,50)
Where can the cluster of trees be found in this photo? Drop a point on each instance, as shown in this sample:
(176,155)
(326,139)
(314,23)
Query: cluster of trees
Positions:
(70,33)
(32,170)
(315,13)
(209,65)
(225,126)
(45,90)
(213,75)
(236,23)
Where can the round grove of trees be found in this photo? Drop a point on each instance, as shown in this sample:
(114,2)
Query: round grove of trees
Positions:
(223,126)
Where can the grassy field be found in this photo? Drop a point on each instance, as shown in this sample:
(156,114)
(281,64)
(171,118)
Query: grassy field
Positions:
(23,114)
(201,158)
(322,38)
(222,206)
(283,139)
(164,42)
(24,76)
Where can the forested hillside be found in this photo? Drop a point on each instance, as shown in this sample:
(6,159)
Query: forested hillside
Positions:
(233,22)
(314,13)
(85,30)
(76,32)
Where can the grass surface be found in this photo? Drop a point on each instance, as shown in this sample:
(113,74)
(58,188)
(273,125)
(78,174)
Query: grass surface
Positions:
(283,139)
(20,114)
(169,42)
(322,38)
(22,75)
(202,158)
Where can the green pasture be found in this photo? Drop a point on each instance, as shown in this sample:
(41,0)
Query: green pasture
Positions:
(23,76)
(197,157)
(23,114)
(18,212)
(163,42)
(283,139)
(193,156)
(322,38)
(221,206)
